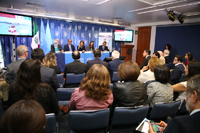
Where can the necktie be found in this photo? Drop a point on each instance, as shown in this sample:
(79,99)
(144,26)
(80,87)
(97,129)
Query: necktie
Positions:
(70,48)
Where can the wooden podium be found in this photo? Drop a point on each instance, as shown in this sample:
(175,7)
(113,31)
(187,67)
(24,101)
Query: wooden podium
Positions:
(127,50)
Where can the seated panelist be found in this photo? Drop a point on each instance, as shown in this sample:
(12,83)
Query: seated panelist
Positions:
(104,47)
(81,46)
(56,46)
(69,46)
(90,47)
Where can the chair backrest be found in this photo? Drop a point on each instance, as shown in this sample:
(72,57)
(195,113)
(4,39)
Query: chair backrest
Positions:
(72,78)
(182,109)
(161,111)
(182,77)
(60,79)
(148,82)
(89,120)
(111,86)
(115,78)
(51,126)
(64,95)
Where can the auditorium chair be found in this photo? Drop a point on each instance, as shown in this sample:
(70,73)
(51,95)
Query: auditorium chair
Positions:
(161,111)
(127,118)
(60,79)
(74,79)
(182,109)
(91,121)
(115,78)
(183,76)
(51,124)
(64,95)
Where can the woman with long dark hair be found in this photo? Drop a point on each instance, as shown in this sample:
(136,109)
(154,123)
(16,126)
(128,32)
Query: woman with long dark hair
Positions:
(189,57)
(90,47)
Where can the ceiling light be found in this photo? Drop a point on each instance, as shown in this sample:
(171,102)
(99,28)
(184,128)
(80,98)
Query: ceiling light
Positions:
(36,5)
(102,2)
(22,11)
(151,11)
(85,0)
(183,5)
(142,9)
(171,15)
(153,2)
(180,18)
(192,14)
(172,3)
(88,17)
(106,20)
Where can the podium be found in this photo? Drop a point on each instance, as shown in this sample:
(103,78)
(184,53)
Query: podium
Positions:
(127,50)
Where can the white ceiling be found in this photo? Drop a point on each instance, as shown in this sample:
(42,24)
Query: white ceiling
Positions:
(119,12)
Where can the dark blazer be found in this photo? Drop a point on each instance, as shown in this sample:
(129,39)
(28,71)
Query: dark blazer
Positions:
(145,62)
(129,94)
(96,61)
(113,66)
(101,48)
(53,48)
(48,75)
(76,67)
(12,70)
(81,48)
(66,47)
(166,59)
(177,73)
(184,124)
(56,69)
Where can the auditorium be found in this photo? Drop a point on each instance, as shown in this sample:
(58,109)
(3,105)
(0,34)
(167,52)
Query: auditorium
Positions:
(110,66)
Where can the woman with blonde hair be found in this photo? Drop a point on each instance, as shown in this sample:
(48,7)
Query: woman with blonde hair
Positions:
(148,75)
(50,61)
(81,46)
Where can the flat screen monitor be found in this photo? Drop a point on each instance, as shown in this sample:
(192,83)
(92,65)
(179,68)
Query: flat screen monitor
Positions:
(15,25)
(123,35)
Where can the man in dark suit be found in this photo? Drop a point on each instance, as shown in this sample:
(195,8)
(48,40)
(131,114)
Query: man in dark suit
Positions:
(178,70)
(48,75)
(76,67)
(56,42)
(187,123)
(97,55)
(113,65)
(166,55)
(69,46)
(147,56)
(104,47)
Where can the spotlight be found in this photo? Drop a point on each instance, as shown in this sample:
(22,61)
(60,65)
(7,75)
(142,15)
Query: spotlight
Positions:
(171,15)
(180,18)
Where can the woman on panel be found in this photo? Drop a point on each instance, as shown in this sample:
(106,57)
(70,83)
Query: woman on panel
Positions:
(50,61)
(189,57)
(81,46)
(94,92)
(58,46)
(130,92)
(29,87)
(90,47)
(160,90)
(25,116)
(192,69)
(148,75)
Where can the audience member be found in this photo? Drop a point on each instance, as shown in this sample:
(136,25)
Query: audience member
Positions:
(81,46)
(147,56)
(94,92)
(76,67)
(156,54)
(97,55)
(189,57)
(166,56)
(168,47)
(90,47)
(178,70)
(130,92)
(29,87)
(104,47)
(69,46)
(113,65)
(187,123)
(162,59)
(50,61)
(160,90)
(58,46)
(148,75)
(48,75)
(192,69)
(25,116)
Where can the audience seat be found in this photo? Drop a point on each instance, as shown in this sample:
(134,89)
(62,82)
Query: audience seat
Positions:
(60,79)
(182,109)
(127,118)
(64,95)
(115,78)
(161,111)
(51,124)
(111,86)
(92,121)
(182,77)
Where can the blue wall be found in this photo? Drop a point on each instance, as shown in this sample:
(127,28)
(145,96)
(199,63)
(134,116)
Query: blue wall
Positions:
(183,39)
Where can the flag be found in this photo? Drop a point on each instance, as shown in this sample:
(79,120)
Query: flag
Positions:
(35,39)
(43,37)
(48,40)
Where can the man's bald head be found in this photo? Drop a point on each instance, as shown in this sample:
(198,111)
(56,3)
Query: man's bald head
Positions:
(22,51)
(76,55)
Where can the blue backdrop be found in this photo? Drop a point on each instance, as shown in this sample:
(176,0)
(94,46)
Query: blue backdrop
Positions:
(51,29)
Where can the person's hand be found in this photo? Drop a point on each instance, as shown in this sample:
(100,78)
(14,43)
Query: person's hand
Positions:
(151,129)
(145,68)
(83,50)
(162,125)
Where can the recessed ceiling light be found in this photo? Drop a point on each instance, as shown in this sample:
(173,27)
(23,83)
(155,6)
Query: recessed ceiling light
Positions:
(142,9)
(151,11)
(88,17)
(100,3)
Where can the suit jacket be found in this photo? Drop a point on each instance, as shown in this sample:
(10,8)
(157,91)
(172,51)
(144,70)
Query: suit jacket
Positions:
(81,48)
(53,48)
(184,124)
(145,62)
(105,48)
(49,76)
(56,68)
(166,59)
(177,73)
(12,70)
(113,66)
(66,47)
(96,61)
